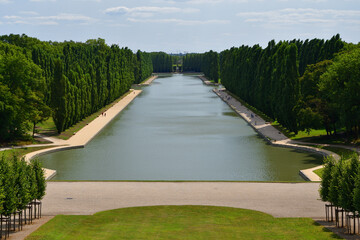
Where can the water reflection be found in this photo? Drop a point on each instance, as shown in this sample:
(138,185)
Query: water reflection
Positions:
(177,129)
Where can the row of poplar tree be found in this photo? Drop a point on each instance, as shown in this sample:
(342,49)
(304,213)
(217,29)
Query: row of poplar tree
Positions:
(20,184)
(340,184)
(208,63)
(67,80)
(303,85)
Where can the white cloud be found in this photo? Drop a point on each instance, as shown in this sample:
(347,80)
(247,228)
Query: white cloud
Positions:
(178,21)
(147,11)
(66,17)
(301,15)
(42,0)
(29,13)
(12,17)
(48,20)
(5,1)
(215,1)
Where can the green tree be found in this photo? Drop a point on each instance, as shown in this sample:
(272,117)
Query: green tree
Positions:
(8,184)
(336,178)
(24,196)
(340,85)
(326,178)
(40,179)
(347,184)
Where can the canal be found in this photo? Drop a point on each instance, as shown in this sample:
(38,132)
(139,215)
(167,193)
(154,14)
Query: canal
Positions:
(178,129)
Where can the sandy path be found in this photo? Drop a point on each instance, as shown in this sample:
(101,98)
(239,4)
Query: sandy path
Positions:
(149,81)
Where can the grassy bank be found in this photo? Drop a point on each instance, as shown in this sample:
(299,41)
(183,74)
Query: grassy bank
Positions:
(180,222)
(20,152)
(342,152)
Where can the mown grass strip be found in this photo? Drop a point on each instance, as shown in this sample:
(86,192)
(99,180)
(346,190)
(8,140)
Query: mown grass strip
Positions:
(180,222)
(20,152)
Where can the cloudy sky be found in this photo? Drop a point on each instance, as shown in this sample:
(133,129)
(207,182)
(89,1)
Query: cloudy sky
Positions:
(181,25)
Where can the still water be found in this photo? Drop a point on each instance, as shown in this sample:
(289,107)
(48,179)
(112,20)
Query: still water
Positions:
(178,129)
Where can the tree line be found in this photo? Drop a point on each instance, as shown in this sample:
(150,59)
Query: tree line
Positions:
(304,85)
(207,62)
(22,186)
(67,80)
(340,186)
(162,62)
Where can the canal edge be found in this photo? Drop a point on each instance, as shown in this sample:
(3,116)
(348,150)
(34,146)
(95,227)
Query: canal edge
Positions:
(307,174)
(72,143)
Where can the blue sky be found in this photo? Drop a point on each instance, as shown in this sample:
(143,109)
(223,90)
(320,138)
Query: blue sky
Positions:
(181,25)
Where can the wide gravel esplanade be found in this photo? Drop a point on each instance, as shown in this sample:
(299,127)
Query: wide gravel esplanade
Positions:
(277,199)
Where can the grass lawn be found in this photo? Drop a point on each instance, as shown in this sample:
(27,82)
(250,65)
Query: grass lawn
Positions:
(180,222)
(319,172)
(20,152)
(342,152)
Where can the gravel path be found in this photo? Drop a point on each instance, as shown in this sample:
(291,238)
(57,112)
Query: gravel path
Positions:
(277,199)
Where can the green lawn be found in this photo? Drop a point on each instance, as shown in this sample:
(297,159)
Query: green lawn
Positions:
(319,172)
(20,152)
(342,152)
(180,222)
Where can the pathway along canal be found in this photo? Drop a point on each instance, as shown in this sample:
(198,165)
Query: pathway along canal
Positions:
(178,129)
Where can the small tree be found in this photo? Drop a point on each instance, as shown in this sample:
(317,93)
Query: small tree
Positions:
(8,184)
(336,175)
(356,196)
(40,179)
(24,196)
(30,173)
(326,178)
(2,192)
(347,184)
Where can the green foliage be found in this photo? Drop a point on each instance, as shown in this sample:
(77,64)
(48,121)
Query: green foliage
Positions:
(161,61)
(268,79)
(68,80)
(208,63)
(22,93)
(347,184)
(8,184)
(40,178)
(20,184)
(340,85)
(334,188)
(326,178)
(143,66)
(340,183)
(356,196)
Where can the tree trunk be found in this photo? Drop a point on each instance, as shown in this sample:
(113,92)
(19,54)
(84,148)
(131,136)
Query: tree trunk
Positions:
(34,129)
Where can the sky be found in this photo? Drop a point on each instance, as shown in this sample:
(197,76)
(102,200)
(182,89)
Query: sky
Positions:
(181,26)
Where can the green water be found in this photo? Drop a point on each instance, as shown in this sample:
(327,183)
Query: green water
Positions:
(178,129)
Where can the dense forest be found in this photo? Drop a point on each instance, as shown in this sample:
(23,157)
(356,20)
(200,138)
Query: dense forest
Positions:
(67,80)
